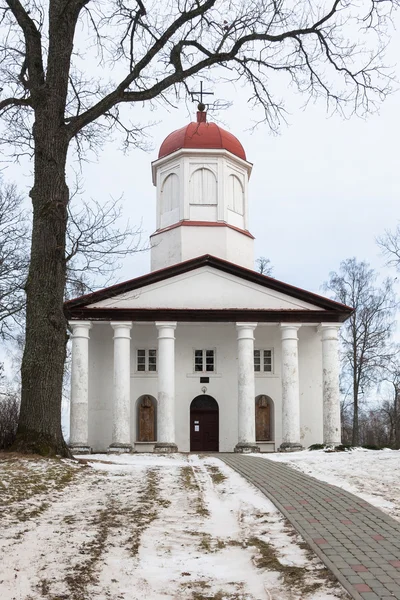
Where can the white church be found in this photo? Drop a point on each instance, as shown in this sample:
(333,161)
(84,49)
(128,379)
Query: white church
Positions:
(203,353)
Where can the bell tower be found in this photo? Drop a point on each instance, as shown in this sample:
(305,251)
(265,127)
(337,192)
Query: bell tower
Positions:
(201,176)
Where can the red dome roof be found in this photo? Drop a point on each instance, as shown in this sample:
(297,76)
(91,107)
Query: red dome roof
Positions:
(201,135)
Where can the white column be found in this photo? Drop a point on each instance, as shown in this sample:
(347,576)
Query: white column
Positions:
(121,433)
(79,387)
(166,388)
(290,388)
(246,389)
(330,378)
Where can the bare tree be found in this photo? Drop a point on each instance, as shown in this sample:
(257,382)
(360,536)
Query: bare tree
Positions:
(53,92)
(365,336)
(14,234)
(391,407)
(389,243)
(264,266)
(9,410)
(98,239)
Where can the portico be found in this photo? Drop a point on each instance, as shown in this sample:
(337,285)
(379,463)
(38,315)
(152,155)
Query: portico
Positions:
(234,384)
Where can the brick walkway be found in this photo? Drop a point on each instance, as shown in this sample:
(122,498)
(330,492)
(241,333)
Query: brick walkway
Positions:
(358,542)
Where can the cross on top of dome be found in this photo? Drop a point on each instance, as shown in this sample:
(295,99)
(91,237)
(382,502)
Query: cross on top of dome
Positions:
(197,96)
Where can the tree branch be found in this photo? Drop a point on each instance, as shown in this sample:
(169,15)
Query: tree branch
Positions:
(33,44)
(15,102)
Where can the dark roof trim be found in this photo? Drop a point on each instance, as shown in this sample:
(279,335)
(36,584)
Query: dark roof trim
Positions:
(204,315)
(220,265)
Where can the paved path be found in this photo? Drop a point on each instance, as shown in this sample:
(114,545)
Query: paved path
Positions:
(358,542)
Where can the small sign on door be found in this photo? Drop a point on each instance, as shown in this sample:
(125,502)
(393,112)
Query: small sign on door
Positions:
(197,427)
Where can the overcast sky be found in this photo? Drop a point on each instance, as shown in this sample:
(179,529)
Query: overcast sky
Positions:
(320,191)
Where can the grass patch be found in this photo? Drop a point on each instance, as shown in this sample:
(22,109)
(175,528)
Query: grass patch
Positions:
(216,475)
(189,482)
(293,577)
(220,595)
(187,479)
(115,515)
(84,573)
(209,544)
(23,481)
(146,511)
(342,447)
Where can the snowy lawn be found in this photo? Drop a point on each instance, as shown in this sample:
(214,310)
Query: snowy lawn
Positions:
(374,475)
(147,527)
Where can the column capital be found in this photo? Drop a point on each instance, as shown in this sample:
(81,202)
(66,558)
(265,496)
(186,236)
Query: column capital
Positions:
(245,331)
(251,326)
(121,324)
(166,329)
(289,330)
(329,331)
(122,329)
(83,326)
(166,324)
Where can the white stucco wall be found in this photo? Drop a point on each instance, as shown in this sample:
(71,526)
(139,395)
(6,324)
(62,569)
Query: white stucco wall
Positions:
(184,242)
(222,385)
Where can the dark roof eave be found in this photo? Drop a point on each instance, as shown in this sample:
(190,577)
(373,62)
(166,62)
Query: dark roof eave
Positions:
(217,263)
(205,315)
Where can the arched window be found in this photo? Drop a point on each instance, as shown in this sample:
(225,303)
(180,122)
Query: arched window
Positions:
(264,418)
(170,193)
(235,195)
(203,187)
(146,419)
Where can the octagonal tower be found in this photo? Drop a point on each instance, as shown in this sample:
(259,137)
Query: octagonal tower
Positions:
(201,176)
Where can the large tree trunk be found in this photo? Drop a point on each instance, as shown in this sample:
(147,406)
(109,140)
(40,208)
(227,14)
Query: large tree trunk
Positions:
(39,428)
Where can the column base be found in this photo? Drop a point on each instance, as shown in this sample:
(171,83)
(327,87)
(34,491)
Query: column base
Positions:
(80,449)
(246,448)
(120,449)
(290,447)
(165,448)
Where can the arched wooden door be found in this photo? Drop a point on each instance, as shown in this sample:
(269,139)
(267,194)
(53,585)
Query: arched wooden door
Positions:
(146,419)
(263,419)
(204,424)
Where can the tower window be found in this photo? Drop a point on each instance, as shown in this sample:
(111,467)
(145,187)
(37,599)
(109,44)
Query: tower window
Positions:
(235,195)
(170,193)
(204,361)
(263,361)
(203,187)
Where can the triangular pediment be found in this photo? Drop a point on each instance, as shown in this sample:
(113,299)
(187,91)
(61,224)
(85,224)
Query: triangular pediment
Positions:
(204,288)
(205,284)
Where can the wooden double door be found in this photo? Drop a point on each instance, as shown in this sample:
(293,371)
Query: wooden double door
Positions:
(204,425)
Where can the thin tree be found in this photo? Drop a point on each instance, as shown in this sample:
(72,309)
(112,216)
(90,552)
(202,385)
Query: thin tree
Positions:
(264,266)
(389,243)
(98,241)
(14,236)
(53,92)
(392,407)
(366,335)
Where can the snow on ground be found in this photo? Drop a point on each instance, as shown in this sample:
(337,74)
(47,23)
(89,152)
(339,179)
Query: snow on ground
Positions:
(373,475)
(147,527)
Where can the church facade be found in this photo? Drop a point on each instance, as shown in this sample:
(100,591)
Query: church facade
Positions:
(203,353)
